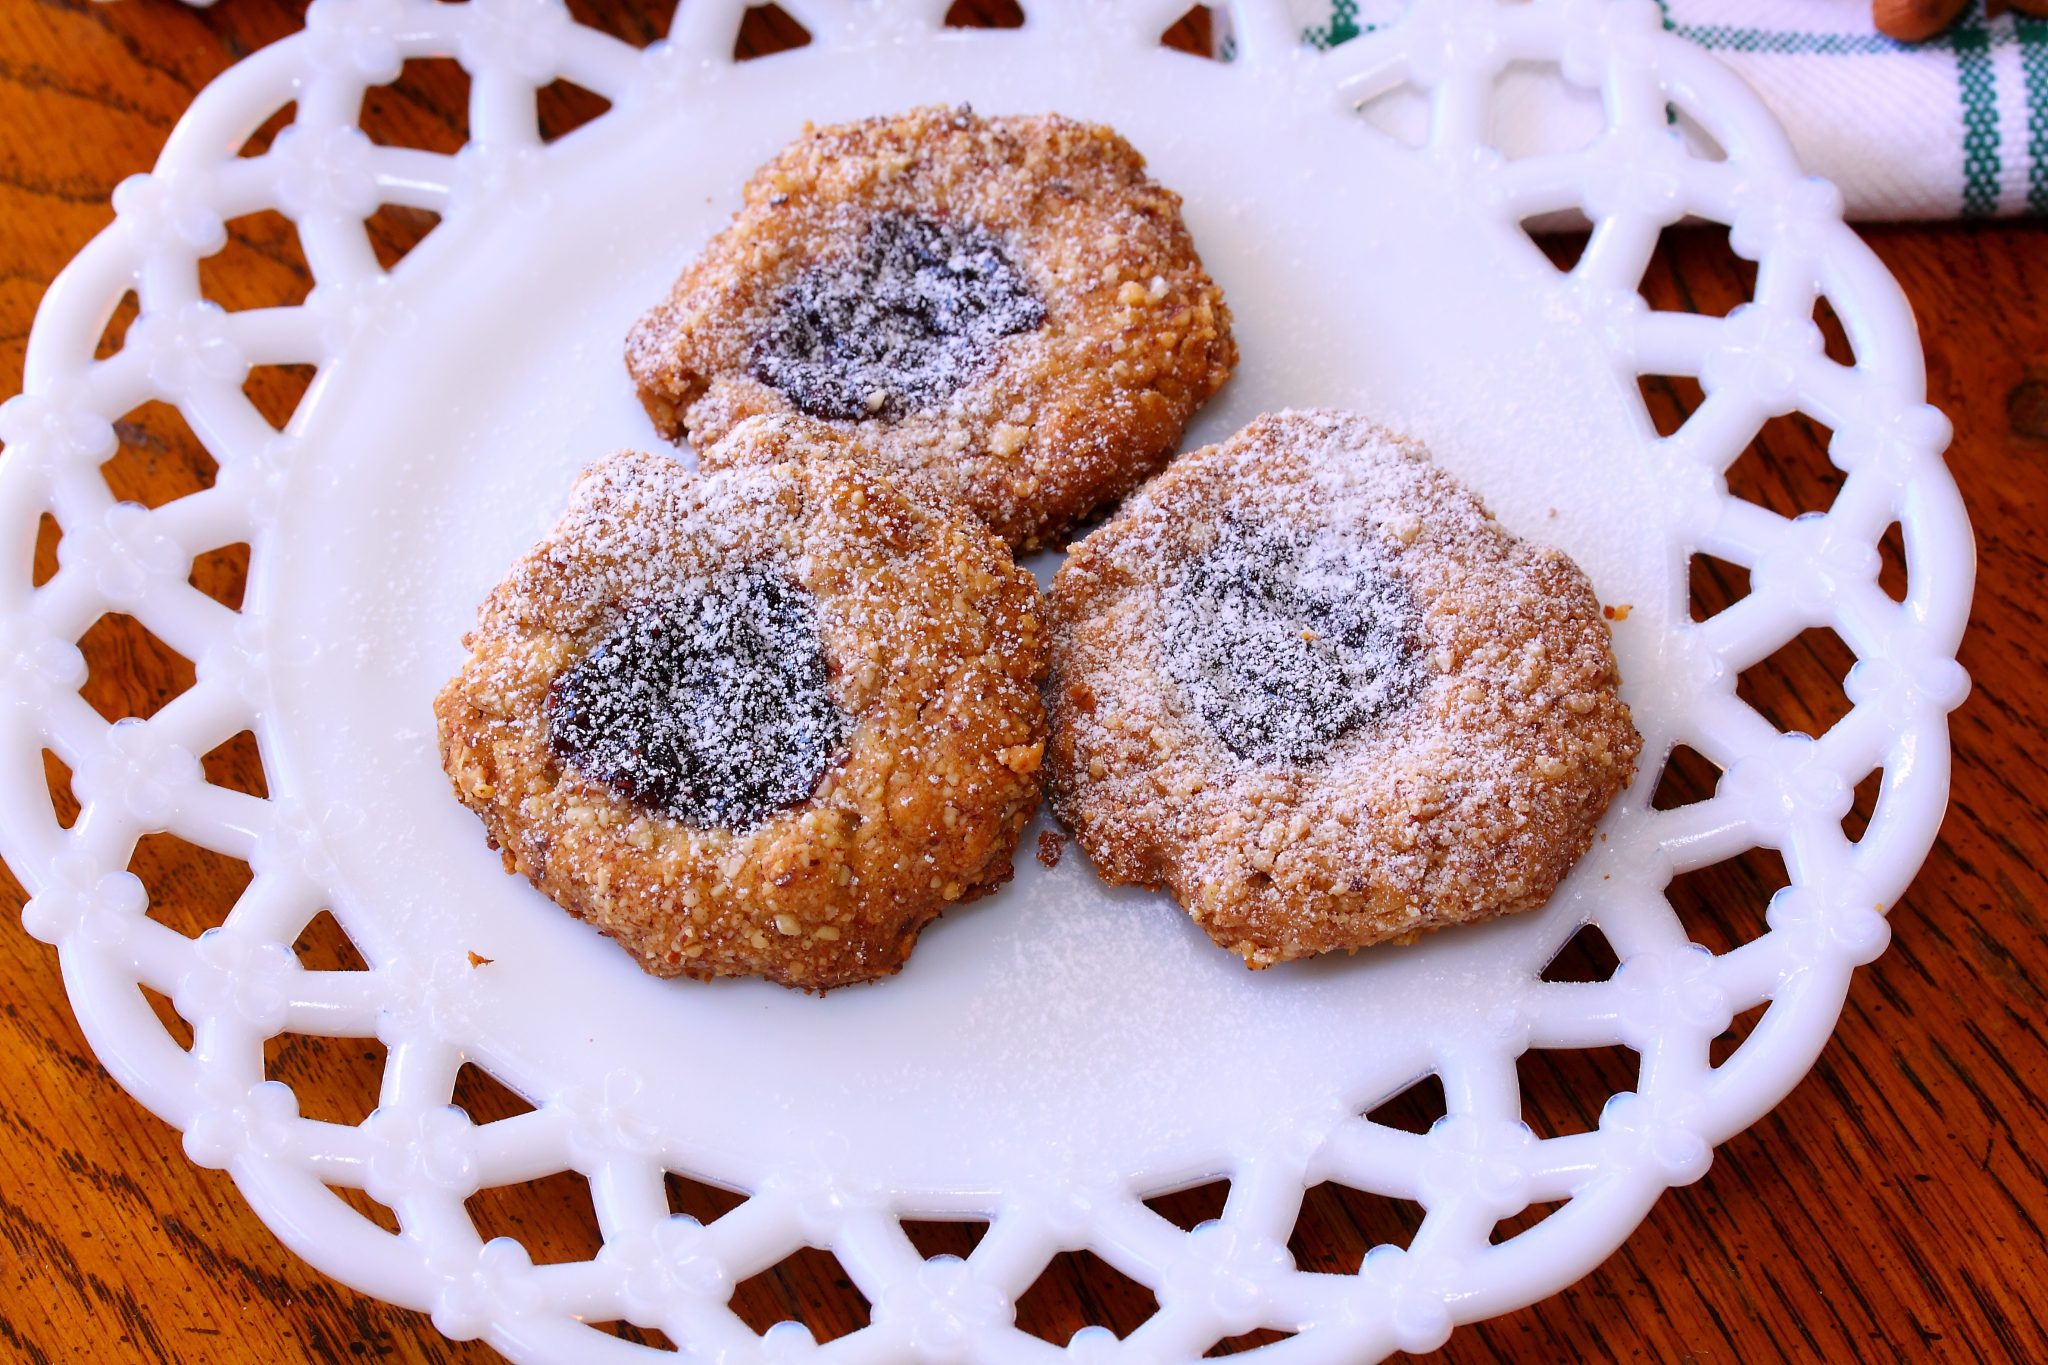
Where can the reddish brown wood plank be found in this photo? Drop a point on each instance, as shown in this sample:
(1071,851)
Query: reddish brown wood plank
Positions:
(1893,1207)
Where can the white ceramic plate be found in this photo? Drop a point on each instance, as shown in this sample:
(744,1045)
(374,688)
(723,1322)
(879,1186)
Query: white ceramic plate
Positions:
(1058,1052)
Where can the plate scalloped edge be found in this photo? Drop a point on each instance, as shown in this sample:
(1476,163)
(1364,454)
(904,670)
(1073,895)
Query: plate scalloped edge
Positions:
(240,984)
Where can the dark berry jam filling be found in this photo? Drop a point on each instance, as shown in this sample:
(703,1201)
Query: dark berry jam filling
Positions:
(1285,646)
(710,709)
(898,325)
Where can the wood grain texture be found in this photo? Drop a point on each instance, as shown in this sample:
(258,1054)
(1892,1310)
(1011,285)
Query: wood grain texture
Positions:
(1891,1208)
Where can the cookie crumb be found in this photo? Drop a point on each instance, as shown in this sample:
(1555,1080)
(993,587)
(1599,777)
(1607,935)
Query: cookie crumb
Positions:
(1618,612)
(1050,847)
(477,959)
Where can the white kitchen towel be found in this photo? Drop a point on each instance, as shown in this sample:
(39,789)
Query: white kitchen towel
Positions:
(1953,127)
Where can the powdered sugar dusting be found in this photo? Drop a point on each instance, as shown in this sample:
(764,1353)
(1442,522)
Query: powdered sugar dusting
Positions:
(897,326)
(711,709)
(1286,643)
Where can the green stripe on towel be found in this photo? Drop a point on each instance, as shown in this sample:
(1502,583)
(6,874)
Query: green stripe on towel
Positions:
(1979,89)
(2033,34)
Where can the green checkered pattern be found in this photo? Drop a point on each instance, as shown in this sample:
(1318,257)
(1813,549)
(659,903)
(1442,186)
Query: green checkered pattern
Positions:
(1957,125)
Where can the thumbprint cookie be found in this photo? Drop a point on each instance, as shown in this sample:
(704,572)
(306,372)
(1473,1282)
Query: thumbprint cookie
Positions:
(1007,308)
(766,721)
(1307,683)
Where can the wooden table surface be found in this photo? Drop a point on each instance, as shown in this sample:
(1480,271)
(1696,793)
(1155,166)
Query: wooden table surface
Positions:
(1892,1207)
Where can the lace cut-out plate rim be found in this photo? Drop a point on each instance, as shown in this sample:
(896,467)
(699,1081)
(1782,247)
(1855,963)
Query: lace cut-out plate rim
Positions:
(241,983)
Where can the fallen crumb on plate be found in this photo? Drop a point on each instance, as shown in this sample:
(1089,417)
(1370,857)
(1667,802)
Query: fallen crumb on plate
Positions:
(1050,847)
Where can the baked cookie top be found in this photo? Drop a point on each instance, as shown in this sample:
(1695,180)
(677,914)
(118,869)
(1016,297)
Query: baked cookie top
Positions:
(765,721)
(1304,680)
(1007,308)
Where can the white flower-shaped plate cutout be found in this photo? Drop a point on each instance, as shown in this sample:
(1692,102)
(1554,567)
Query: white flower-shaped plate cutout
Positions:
(1059,1052)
